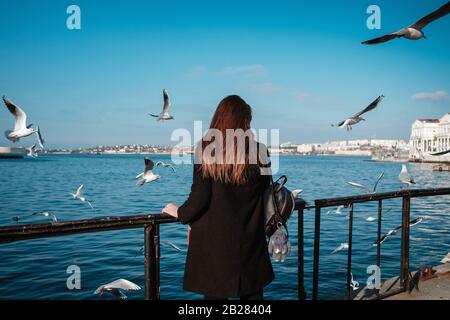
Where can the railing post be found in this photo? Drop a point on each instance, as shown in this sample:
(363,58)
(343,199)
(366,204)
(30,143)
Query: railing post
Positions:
(151,261)
(301,255)
(349,253)
(315,288)
(380,209)
(404,263)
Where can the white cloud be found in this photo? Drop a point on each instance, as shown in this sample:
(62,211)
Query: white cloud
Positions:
(250,71)
(432,96)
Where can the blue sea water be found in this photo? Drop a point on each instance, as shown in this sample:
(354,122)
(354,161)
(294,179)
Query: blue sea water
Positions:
(36,269)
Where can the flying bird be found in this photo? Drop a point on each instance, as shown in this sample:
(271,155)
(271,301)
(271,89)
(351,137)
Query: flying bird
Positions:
(337,211)
(147,175)
(115,288)
(32,151)
(414,31)
(394,231)
(165,165)
(39,139)
(164,115)
(79,195)
(360,186)
(342,246)
(349,122)
(46,214)
(404,177)
(353,283)
(21,129)
(440,153)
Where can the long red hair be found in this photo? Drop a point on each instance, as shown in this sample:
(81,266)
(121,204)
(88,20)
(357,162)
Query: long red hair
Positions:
(233,115)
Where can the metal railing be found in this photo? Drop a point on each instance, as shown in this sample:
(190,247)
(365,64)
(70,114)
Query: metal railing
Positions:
(349,202)
(151,225)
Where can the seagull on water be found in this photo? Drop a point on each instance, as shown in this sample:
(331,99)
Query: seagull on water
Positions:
(164,115)
(165,165)
(21,129)
(349,122)
(46,214)
(360,186)
(79,195)
(115,288)
(414,31)
(147,175)
(404,177)
(342,246)
(446,259)
(32,151)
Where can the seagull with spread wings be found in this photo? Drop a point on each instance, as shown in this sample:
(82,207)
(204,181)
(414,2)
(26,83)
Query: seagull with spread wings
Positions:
(165,165)
(414,31)
(147,175)
(115,288)
(21,129)
(79,195)
(164,115)
(349,122)
(361,186)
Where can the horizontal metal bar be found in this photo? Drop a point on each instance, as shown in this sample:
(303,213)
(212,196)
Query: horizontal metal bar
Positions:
(412,193)
(53,229)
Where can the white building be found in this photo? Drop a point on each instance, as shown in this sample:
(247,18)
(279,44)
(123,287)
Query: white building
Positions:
(430,136)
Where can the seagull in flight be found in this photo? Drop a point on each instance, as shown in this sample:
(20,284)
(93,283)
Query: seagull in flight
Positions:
(404,177)
(349,122)
(165,165)
(337,211)
(414,31)
(394,231)
(39,139)
(32,151)
(440,153)
(353,283)
(164,115)
(147,175)
(21,129)
(46,214)
(360,186)
(79,195)
(342,246)
(115,288)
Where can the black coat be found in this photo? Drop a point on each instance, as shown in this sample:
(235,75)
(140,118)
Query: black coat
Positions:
(227,254)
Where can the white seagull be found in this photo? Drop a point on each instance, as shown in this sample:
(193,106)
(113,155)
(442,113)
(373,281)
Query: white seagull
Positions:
(404,177)
(39,138)
(21,129)
(164,115)
(337,211)
(360,186)
(342,246)
(349,122)
(115,287)
(165,165)
(32,151)
(353,283)
(414,31)
(393,232)
(296,193)
(147,175)
(446,259)
(79,195)
(46,214)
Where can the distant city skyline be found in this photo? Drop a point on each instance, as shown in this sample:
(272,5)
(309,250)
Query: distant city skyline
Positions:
(299,64)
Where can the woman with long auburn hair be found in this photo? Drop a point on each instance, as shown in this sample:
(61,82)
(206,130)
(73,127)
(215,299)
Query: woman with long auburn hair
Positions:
(227,254)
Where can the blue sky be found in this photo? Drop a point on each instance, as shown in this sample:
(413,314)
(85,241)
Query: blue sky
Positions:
(299,64)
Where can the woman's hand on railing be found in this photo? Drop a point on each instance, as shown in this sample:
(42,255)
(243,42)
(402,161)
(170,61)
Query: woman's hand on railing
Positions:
(171,210)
